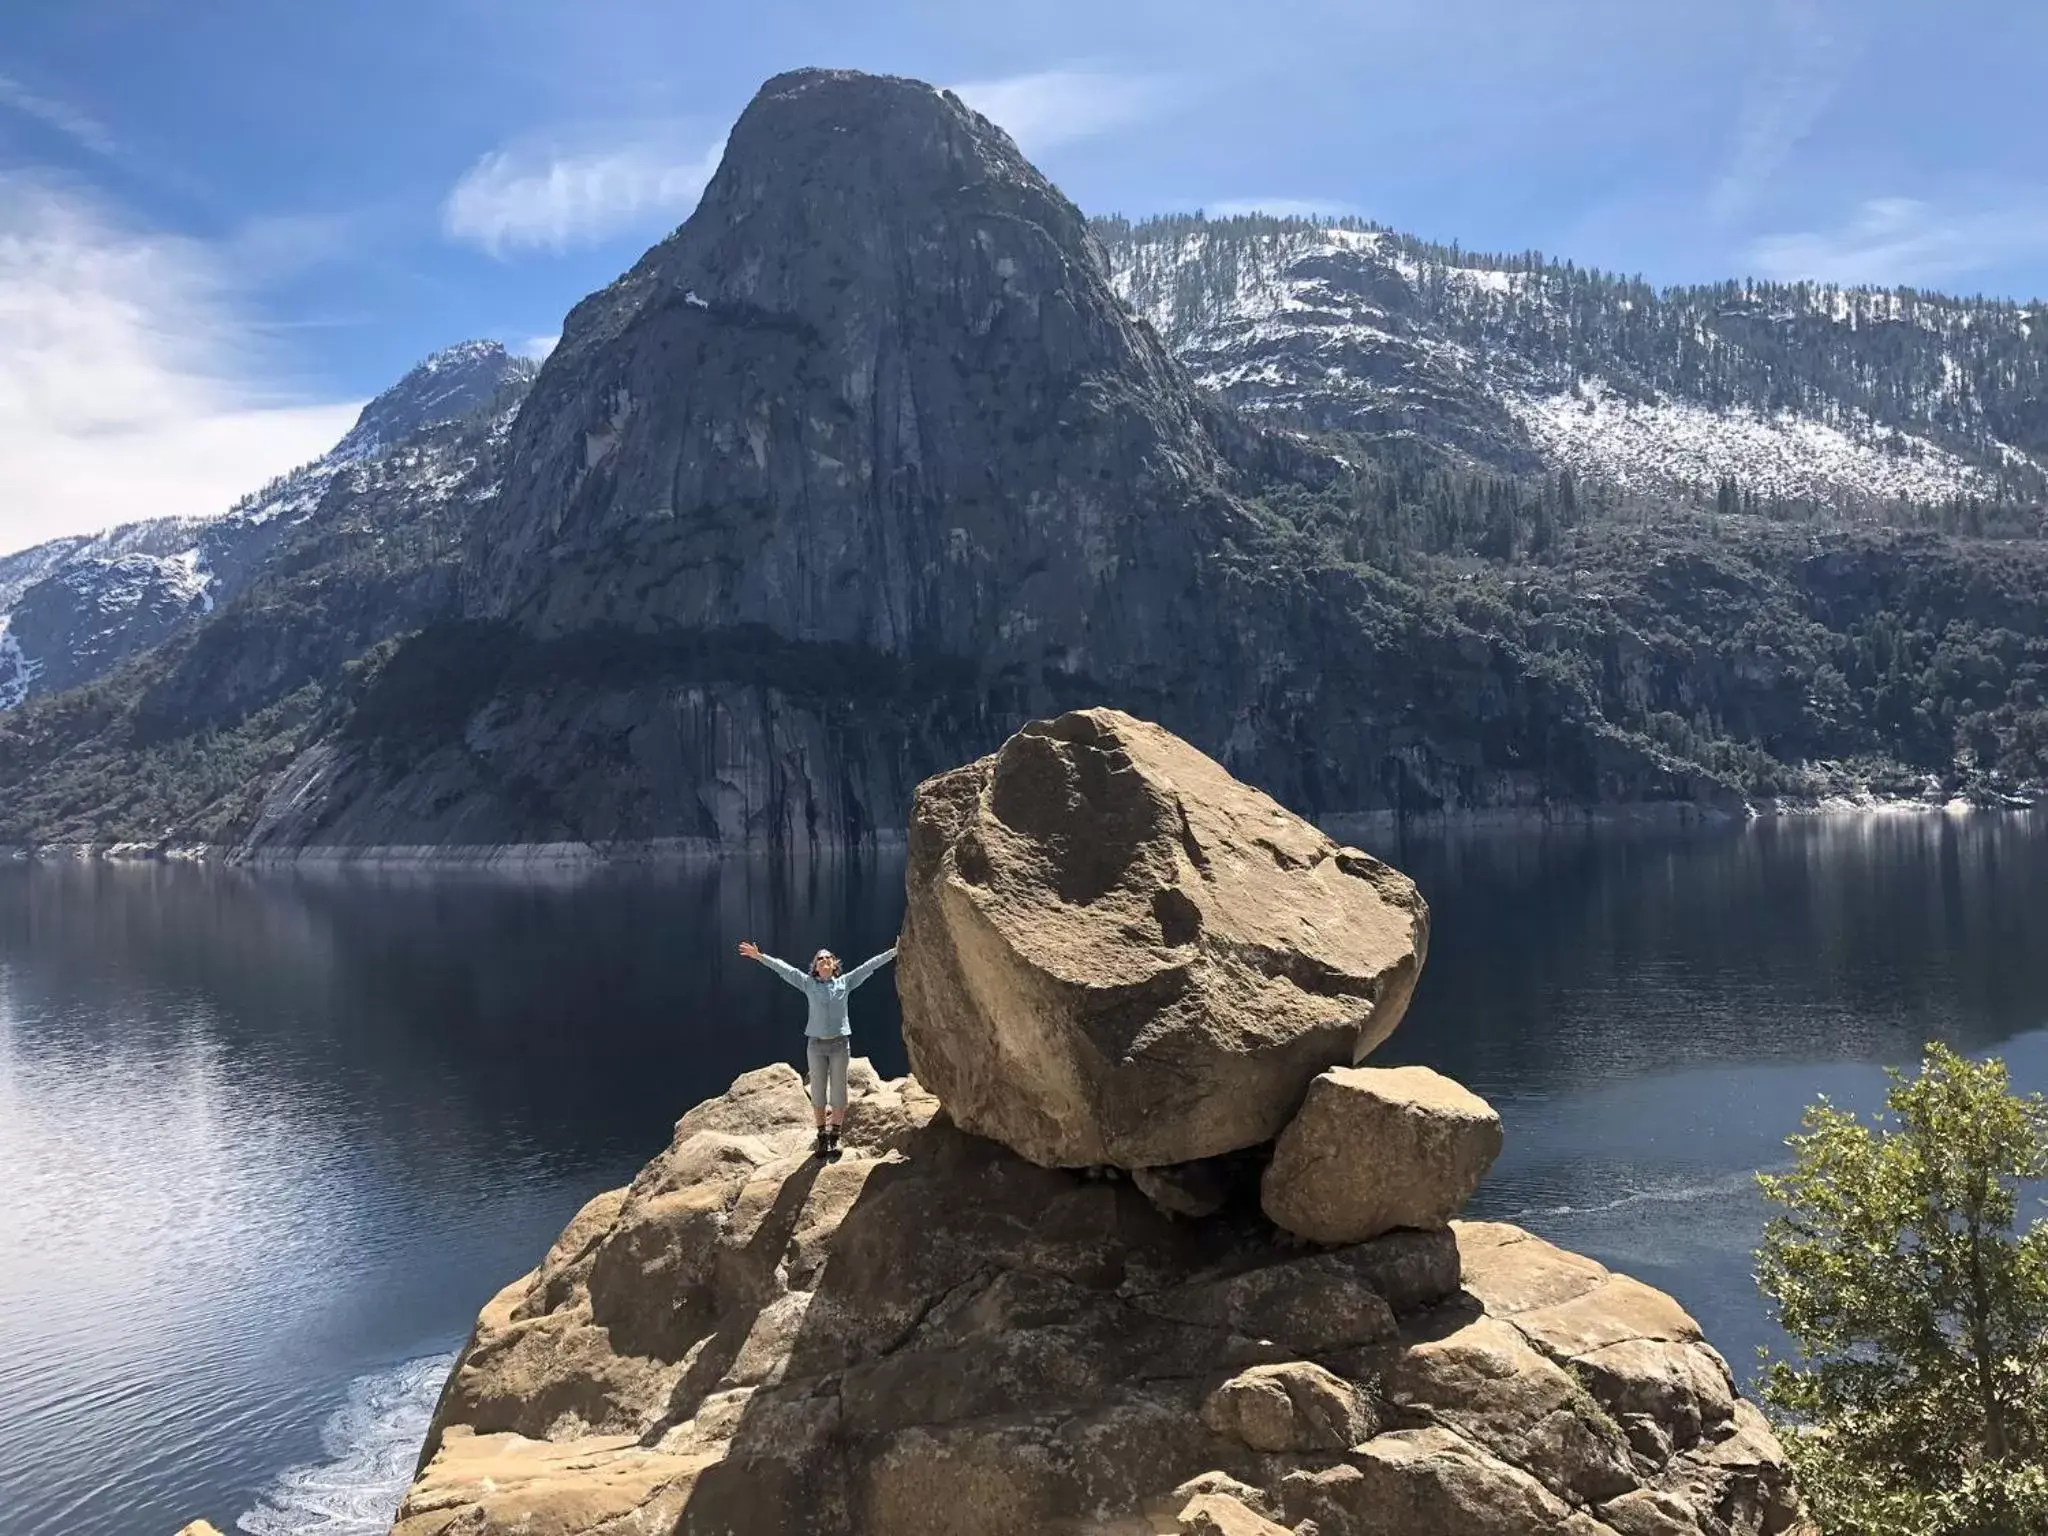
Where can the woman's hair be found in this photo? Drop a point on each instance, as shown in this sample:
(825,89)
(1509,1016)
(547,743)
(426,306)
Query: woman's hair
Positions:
(823,954)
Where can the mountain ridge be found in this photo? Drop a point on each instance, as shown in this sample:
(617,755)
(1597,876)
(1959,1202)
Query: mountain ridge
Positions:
(72,609)
(874,415)
(869,461)
(1795,390)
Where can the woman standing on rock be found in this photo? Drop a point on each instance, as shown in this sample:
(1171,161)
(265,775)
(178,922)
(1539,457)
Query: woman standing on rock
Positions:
(827,1029)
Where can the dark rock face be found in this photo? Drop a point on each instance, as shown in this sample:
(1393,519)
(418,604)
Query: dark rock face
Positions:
(876,392)
(856,473)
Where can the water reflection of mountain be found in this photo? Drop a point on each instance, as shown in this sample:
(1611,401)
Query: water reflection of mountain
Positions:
(582,1014)
(267,1135)
(1574,956)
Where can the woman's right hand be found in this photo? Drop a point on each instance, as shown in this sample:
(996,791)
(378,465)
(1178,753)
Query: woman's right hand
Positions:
(750,949)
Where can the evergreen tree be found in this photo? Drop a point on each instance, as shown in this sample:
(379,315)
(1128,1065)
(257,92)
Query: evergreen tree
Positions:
(1919,1305)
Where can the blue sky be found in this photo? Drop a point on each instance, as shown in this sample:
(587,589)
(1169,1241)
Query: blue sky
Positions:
(223,225)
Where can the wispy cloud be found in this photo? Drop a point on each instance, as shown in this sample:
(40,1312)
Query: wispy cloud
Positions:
(278,245)
(1282,207)
(537,347)
(81,128)
(1805,56)
(528,198)
(132,385)
(1059,106)
(1901,240)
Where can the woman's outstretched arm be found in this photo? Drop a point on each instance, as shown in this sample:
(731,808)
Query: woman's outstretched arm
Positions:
(867,968)
(782,968)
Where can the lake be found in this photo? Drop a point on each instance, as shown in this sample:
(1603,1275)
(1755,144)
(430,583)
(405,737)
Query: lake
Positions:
(268,1140)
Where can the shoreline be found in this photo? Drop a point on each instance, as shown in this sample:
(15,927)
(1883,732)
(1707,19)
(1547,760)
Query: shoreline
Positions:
(1345,826)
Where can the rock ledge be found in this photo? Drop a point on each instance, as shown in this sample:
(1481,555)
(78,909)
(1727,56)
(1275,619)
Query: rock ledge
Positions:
(935,1337)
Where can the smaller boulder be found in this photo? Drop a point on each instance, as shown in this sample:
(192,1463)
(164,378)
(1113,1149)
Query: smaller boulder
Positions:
(199,1528)
(1218,1514)
(1376,1148)
(1291,1407)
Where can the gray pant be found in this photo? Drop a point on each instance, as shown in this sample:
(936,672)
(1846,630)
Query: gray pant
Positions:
(828,1072)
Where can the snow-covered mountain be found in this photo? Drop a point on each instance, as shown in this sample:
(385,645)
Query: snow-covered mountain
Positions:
(1796,391)
(447,386)
(74,625)
(72,609)
(157,536)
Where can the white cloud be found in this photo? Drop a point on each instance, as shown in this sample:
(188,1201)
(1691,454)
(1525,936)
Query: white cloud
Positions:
(1058,106)
(1900,240)
(1804,60)
(75,125)
(1281,207)
(537,347)
(551,200)
(127,377)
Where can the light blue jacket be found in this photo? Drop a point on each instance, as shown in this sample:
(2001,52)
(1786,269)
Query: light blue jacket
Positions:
(828,1019)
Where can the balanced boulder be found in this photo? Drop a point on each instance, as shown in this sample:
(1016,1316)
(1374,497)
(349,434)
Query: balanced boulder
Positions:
(1116,953)
(1375,1148)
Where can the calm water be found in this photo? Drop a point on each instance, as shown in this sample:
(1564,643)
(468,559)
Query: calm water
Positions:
(267,1142)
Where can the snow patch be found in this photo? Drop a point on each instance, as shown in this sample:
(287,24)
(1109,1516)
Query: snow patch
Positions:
(296,495)
(197,578)
(1670,442)
(1369,330)
(120,586)
(17,671)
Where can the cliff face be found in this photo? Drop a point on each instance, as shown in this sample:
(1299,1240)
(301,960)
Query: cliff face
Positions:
(877,391)
(861,468)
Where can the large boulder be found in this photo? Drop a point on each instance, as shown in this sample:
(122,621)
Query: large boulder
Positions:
(1375,1148)
(935,1337)
(1116,953)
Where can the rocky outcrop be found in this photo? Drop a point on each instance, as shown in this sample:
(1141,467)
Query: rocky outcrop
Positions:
(934,1335)
(1375,1148)
(1115,953)
(943,1333)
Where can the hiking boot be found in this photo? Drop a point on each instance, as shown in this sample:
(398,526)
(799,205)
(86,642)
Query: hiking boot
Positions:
(824,1145)
(832,1141)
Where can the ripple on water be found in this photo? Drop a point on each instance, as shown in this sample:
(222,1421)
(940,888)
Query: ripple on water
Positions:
(369,1445)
